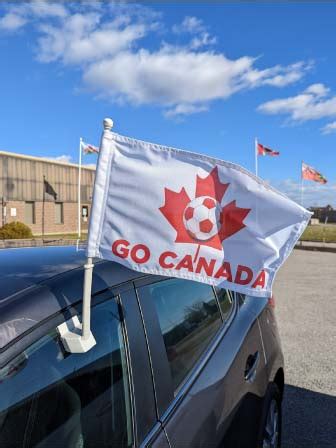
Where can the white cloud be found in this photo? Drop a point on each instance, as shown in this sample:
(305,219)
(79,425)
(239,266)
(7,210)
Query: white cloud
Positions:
(168,77)
(185,109)
(82,38)
(279,75)
(314,194)
(18,15)
(329,128)
(204,40)
(175,76)
(63,158)
(195,26)
(105,44)
(318,90)
(312,104)
(189,24)
(12,22)
(46,9)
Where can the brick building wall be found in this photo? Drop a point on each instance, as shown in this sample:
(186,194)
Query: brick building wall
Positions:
(23,192)
(70,217)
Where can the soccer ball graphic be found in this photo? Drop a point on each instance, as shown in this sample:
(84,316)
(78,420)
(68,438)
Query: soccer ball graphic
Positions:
(201,218)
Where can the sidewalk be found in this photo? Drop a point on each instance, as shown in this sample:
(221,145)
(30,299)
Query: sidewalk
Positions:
(312,245)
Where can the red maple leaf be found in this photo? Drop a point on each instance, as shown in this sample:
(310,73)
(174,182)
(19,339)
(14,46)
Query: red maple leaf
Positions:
(231,217)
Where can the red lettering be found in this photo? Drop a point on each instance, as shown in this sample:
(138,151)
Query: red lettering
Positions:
(140,258)
(224,271)
(207,267)
(163,260)
(239,275)
(185,263)
(119,248)
(260,280)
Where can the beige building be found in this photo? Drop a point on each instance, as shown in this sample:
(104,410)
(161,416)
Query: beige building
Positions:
(43,193)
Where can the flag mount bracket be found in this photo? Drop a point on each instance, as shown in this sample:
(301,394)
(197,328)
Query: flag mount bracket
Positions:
(71,336)
(77,337)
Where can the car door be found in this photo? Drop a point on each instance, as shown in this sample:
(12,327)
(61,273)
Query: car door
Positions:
(208,363)
(149,431)
(50,397)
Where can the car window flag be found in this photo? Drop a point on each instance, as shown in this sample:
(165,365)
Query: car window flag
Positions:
(166,211)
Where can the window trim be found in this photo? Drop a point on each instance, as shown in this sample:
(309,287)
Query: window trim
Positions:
(167,400)
(141,380)
(155,346)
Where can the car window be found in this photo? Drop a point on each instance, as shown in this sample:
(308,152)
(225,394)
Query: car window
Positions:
(225,301)
(189,317)
(53,398)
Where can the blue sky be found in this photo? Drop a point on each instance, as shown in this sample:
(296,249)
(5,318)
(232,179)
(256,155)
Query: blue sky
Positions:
(208,78)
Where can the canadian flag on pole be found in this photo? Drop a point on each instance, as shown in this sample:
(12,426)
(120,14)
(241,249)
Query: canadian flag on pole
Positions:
(161,210)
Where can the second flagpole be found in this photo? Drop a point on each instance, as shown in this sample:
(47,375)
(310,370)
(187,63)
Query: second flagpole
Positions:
(301,184)
(79,186)
(256,155)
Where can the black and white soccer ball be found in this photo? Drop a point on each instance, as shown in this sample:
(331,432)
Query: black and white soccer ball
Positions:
(202,218)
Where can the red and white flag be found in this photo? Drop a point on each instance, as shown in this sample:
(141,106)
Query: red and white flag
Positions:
(89,149)
(165,211)
(264,151)
(310,173)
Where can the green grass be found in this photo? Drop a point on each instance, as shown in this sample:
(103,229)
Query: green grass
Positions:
(321,232)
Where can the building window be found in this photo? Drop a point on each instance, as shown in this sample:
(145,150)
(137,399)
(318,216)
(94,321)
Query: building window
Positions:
(85,212)
(58,212)
(30,212)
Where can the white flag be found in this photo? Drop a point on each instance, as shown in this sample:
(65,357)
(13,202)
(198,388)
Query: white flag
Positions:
(165,211)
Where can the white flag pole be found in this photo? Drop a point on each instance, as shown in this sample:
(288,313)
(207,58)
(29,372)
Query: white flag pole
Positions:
(79,186)
(301,184)
(77,337)
(256,156)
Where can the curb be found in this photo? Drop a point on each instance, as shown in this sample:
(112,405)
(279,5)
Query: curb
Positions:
(315,248)
(37,242)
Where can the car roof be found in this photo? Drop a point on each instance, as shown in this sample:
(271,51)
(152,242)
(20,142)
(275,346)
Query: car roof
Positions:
(24,267)
(36,283)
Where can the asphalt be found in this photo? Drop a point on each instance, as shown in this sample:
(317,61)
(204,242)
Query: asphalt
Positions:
(305,293)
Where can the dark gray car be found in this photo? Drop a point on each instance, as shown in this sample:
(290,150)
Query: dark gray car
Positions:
(176,364)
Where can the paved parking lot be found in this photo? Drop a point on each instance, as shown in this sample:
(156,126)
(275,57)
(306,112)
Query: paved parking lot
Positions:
(305,293)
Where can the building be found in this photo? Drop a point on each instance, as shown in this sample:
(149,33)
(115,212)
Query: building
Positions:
(325,214)
(43,193)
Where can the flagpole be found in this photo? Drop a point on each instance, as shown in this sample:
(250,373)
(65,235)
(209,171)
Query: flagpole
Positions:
(77,337)
(301,184)
(43,205)
(256,155)
(79,186)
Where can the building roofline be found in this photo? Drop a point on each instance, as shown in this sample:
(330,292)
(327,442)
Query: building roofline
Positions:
(44,159)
